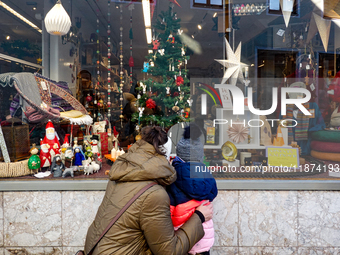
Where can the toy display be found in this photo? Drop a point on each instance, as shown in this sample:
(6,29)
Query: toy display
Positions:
(94,144)
(78,156)
(57,166)
(51,139)
(34,161)
(70,171)
(45,156)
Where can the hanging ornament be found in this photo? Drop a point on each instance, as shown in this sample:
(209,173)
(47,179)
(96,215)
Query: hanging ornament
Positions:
(233,64)
(143,86)
(57,21)
(131,7)
(130,33)
(179,81)
(88,98)
(175,108)
(162,52)
(182,51)
(151,104)
(146,66)
(156,44)
(171,39)
(168,91)
(238,133)
(181,96)
(131,62)
(109,61)
(100,102)
(175,94)
(121,85)
(171,61)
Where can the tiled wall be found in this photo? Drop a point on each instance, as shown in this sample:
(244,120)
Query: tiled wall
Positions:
(246,222)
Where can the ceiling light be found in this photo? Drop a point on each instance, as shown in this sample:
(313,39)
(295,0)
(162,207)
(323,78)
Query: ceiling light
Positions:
(57,21)
(8,37)
(193,36)
(147,20)
(252,65)
(148,35)
(5,6)
(215,14)
(146,13)
(34,8)
(199,26)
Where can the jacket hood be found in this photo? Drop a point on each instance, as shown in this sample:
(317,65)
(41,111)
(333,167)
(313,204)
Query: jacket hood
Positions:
(142,163)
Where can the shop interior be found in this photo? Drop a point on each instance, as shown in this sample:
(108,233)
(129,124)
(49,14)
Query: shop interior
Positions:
(110,52)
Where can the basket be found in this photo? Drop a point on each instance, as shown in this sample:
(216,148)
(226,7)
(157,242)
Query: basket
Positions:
(15,169)
(17,141)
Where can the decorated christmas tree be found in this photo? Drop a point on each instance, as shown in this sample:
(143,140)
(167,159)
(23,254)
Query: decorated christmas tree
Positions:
(164,95)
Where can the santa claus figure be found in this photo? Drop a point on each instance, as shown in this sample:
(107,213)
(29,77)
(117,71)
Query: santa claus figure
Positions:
(45,156)
(51,139)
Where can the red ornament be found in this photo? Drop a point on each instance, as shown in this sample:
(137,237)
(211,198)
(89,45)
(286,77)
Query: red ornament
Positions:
(156,44)
(186,115)
(179,81)
(176,94)
(88,98)
(131,62)
(151,104)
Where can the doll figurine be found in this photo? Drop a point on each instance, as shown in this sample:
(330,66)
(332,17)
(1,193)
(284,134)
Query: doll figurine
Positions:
(78,156)
(57,166)
(34,161)
(45,156)
(94,144)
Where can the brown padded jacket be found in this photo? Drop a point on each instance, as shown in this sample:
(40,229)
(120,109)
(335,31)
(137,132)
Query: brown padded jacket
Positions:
(146,226)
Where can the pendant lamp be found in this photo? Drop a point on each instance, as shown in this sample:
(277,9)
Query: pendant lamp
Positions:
(57,21)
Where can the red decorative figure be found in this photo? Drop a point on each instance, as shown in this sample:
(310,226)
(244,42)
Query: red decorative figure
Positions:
(156,44)
(131,62)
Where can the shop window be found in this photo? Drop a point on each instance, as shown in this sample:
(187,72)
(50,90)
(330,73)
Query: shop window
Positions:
(213,4)
(276,8)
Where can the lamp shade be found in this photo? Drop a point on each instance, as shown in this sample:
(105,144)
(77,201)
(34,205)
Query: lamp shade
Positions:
(57,21)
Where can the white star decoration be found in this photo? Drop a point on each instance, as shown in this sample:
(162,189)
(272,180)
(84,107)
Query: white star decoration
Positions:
(233,64)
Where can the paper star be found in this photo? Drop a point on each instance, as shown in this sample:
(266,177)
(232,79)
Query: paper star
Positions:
(318,24)
(233,64)
(287,8)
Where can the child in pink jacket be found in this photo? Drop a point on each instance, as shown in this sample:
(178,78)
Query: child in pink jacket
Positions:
(191,189)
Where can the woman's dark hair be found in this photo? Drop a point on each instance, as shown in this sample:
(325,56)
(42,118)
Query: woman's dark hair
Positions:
(155,136)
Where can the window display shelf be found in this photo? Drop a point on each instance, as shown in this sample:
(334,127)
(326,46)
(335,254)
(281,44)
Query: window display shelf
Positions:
(252,142)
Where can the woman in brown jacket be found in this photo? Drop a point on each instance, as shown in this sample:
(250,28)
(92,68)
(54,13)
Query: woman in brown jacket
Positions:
(145,228)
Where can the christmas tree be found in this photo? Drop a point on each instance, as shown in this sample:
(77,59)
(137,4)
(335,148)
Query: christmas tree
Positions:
(164,98)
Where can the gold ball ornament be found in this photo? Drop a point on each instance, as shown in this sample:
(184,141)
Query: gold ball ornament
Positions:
(175,108)
(187,109)
(138,137)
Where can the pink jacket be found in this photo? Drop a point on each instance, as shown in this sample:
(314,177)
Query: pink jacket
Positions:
(181,213)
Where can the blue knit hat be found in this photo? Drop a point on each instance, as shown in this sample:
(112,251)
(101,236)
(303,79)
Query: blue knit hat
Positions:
(190,147)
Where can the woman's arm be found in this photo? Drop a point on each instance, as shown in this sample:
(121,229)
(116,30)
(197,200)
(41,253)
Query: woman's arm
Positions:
(158,230)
